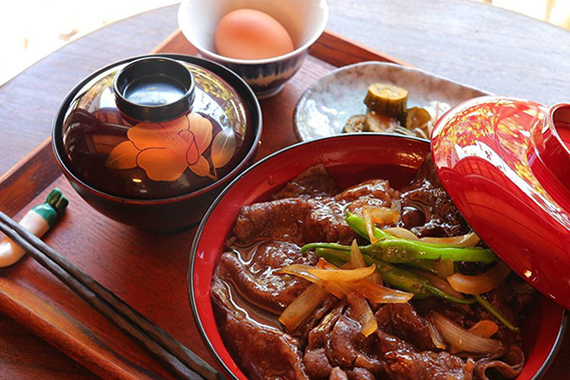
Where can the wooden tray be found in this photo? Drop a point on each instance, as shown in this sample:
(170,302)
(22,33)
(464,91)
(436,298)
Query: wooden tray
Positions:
(148,271)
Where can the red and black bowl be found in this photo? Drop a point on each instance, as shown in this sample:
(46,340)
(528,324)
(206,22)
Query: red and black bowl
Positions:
(350,159)
(151,141)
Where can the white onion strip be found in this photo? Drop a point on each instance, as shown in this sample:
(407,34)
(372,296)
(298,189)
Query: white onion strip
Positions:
(463,340)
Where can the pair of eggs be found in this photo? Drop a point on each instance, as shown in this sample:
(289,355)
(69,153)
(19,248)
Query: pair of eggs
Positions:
(251,35)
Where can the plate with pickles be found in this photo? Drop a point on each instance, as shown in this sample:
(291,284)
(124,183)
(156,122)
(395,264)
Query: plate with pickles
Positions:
(376,97)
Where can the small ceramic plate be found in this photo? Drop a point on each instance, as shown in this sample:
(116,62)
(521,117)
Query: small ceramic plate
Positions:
(324,108)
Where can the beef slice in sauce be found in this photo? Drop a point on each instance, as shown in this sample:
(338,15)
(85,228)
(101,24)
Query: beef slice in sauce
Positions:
(302,219)
(314,182)
(263,352)
(403,362)
(427,210)
(254,271)
(403,321)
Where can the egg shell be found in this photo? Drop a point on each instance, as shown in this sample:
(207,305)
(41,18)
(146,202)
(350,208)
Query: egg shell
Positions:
(250,34)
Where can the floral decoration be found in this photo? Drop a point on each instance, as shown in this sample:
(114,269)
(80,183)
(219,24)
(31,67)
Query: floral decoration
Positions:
(165,150)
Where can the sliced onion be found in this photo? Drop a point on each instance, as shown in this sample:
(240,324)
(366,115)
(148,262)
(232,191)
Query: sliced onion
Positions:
(469,240)
(338,289)
(383,215)
(439,283)
(356,258)
(461,339)
(323,264)
(402,232)
(380,216)
(481,283)
(344,275)
(484,328)
(435,336)
(302,307)
(379,294)
(361,308)
(376,278)
(301,270)
(369,223)
(444,267)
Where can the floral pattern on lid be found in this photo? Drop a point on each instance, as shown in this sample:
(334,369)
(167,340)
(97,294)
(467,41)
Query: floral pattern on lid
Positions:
(165,150)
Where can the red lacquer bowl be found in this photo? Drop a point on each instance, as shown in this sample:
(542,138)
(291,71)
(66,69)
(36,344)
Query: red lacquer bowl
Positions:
(350,159)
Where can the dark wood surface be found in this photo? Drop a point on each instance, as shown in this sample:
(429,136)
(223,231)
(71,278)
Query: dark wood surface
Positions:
(472,43)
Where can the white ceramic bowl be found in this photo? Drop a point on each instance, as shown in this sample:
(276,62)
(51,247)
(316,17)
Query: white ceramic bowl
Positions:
(305,20)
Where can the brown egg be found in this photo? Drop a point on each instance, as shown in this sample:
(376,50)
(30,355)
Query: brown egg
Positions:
(251,34)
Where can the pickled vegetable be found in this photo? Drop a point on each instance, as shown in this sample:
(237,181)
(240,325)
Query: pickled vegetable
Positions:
(388,100)
(418,120)
(354,124)
(375,122)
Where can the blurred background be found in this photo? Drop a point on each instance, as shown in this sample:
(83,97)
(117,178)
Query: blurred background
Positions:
(31,29)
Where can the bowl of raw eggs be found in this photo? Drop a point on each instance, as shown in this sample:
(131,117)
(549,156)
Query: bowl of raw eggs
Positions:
(263,41)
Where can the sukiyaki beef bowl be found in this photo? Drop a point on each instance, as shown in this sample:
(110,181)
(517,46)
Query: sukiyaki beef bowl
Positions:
(345,258)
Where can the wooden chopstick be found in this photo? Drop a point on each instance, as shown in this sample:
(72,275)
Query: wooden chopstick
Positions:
(178,359)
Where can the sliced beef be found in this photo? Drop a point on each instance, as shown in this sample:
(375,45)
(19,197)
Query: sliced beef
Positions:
(317,364)
(509,367)
(360,374)
(348,348)
(304,220)
(387,343)
(314,182)
(296,220)
(402,361)
(338,374)
(518,294)
(277,220)
(427,209)
(428,365)
(248,341)
(325,222)
(258,281)
(376,191)
(403,321)
(318,318)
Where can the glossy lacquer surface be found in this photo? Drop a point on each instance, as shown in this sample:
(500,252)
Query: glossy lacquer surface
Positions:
(506,165)
(350,159)
(156,175)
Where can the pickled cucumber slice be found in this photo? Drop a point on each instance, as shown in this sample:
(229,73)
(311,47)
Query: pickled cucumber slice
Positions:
(387,99)
(380,123)
(354,124)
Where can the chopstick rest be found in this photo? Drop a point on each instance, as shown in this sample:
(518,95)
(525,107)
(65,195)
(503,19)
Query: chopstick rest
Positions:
(178,359)
(38,221)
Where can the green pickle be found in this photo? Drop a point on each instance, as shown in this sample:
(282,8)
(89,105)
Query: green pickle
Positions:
(387,99)
(388,113)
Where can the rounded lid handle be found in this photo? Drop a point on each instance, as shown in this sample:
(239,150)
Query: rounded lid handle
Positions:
(154,89)
(552,145)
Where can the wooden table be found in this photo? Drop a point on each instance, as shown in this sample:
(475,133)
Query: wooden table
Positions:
(476,44)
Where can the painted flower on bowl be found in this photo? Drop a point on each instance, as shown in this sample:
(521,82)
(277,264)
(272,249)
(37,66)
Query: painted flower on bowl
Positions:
(165,150)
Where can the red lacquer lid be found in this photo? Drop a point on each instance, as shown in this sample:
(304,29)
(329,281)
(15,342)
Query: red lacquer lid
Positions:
(506,165)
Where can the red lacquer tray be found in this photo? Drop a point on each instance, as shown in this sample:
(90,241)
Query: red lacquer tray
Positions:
(148,271)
